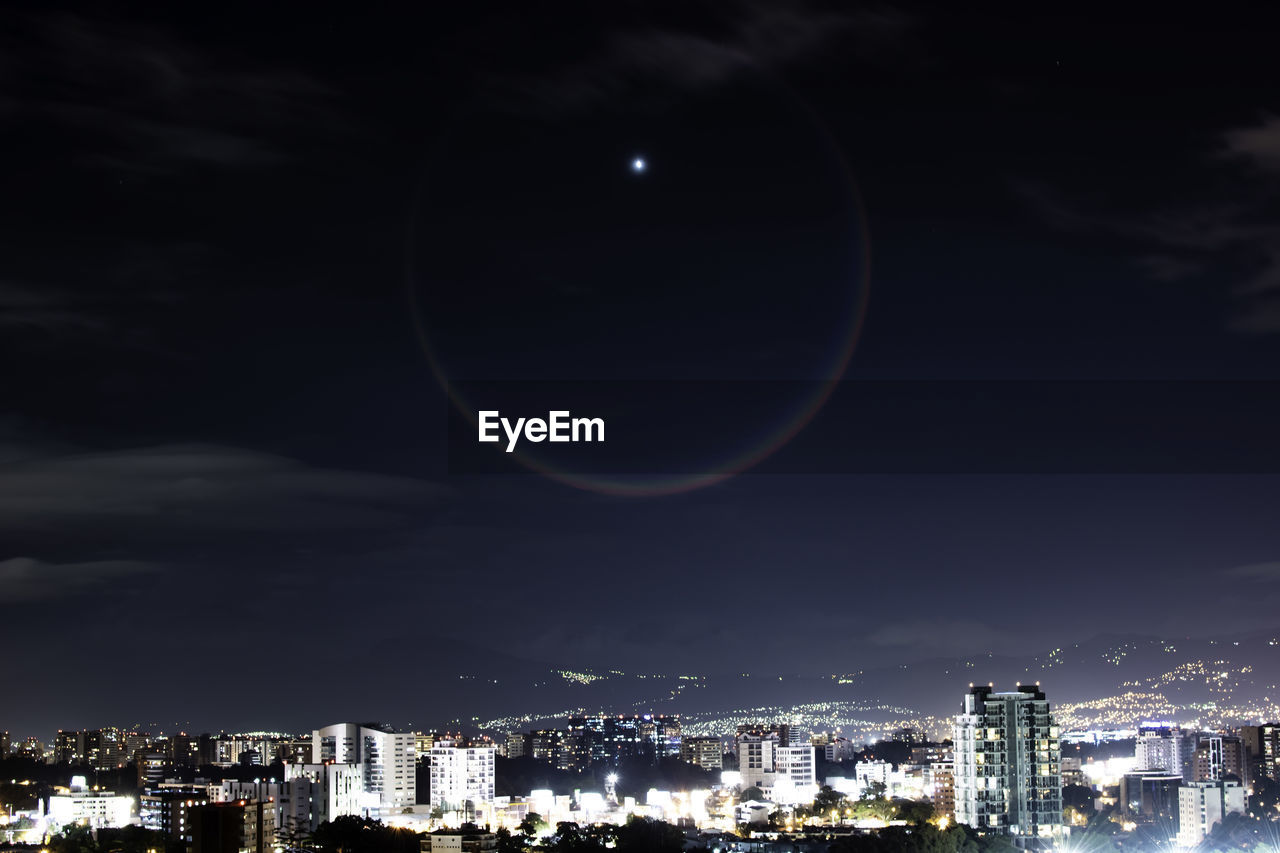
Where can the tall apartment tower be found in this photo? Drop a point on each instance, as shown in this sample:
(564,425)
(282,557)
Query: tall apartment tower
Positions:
(385,757)
(1008,776)
(1263,745)
(1219,756)
(1158,747)
(462,779)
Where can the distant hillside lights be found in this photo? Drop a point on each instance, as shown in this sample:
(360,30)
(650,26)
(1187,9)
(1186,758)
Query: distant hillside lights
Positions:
(558,427)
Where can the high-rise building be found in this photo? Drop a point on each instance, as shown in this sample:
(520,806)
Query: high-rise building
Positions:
(68,747)
(517,745)
(134,741)
(780,731)
(1203,804)
(152,766)
(385,757)
(31,748)
(462,779)
(786,774)
(623,738)
(544,744)
(314,793)
(1220,756)
(943,777)
(660,735)
(230,790)
(1007,764)
(796,765)
(4,744)
(704,752)
(584,742)
(1263,745)
(166,808)
(1158,747)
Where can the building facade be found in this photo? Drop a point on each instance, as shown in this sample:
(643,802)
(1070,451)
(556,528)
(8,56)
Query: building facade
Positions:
(1158,747)
(385,757)
(462,779)
(1007,764)
(704,752)
(1202,805)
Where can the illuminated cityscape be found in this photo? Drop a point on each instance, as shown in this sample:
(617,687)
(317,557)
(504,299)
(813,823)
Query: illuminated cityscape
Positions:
(1004,771)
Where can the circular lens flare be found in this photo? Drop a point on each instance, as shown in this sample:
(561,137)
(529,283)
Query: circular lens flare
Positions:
(834,362)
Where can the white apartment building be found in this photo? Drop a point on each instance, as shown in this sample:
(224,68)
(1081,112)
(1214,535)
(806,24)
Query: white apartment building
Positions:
(786,774)
(462,779)
(1201,805)
(95,809)
(1159,747)
(314,793)
(385,757)
(230,790)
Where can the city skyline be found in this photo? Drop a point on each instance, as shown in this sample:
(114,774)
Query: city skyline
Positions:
(1003,773)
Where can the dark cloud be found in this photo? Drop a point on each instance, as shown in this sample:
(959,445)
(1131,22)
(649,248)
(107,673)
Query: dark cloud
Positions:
(1263,572)
(142,99)
(28,579)
(1230,237)
(99,298)
(1257,145)
(184,490)
(938,636)
(1163,267)
(746,37)
(97,308)
(46,309)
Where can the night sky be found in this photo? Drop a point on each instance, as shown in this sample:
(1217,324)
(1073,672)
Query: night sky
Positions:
(243,247)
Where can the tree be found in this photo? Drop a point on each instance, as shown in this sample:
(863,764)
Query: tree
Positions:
(924,838)
(532,824)
(350,834)
(874,791)
(913,811)
(752,793)
(1080,796)
(647,835)
(826,799)
(570,838)
(508,843)
(292,837)
(74,838)
(130,839)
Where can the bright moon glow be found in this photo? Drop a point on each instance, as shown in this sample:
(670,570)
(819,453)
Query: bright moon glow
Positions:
(638,165)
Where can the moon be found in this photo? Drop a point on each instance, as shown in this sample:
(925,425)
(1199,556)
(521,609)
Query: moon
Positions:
(638,165)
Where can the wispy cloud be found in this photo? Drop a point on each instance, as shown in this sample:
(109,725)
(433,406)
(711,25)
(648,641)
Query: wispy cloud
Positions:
(29,579)
(185,491)
(748,36)
(142,99)
(935,636)
(1257,145)
(1263,572)
(1235,239)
